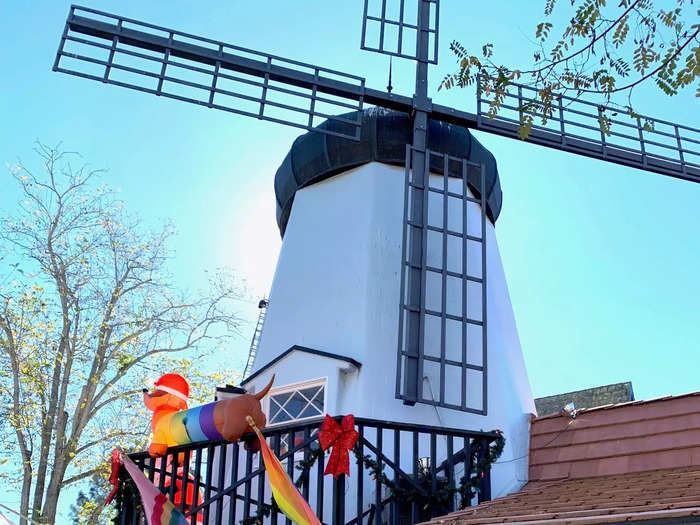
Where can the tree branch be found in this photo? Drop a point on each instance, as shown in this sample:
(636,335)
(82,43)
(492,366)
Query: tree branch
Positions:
(80,476)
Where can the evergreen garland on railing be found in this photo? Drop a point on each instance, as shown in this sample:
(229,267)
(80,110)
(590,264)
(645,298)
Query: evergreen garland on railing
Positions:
(425,499)
(480,467)
(440,496)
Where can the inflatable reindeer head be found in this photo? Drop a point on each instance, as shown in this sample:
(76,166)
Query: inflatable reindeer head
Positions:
(230,414)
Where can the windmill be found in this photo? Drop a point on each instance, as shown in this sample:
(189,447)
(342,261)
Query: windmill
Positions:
(438,158)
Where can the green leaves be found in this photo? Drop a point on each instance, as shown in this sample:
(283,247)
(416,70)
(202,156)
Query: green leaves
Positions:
(621,31)
(643,57)
(669,18)
(604,122)
(542,31)
(557,52)
(604,52)
(603,80)
(124,360)
(470,67)
(525,127)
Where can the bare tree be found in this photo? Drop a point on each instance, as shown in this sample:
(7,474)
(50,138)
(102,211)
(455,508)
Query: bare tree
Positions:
(85,308)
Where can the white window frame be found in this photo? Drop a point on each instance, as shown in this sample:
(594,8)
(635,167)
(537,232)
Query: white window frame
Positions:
(321,381)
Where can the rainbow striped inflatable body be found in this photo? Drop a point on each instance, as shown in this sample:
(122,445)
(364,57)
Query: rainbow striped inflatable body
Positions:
(174,424)
(186,426)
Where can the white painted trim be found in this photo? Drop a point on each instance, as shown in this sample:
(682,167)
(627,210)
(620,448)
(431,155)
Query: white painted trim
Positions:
(320,381)
(171,391)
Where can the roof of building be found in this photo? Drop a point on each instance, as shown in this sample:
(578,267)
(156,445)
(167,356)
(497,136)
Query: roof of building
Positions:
(303,349)
(230,389)
(636,436)
(628,462)
(383,137)
(636,496)
(587,398)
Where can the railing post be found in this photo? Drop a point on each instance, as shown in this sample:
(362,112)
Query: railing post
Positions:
(680,149)
(641,143)
(478,103)
(119,502)
(378,482)
(468,464)
(561,122)
(339,500)
(360,474)
(485,481)
(207,481)
(520,104)
(397,469)
(131,514)
(601,119)
(450,470)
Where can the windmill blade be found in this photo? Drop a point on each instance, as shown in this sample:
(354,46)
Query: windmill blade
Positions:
(593,130)
(443,324)
(398,35)
(165,62)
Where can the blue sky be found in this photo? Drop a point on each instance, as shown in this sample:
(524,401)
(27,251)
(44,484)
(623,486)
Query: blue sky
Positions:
(601,260)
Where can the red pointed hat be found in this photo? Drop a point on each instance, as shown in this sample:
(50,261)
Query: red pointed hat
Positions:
(174,384)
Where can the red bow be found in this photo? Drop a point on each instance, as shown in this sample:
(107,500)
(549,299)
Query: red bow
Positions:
(114,475)
(342,438)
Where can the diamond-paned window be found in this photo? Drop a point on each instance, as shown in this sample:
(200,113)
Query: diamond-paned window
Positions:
(293,403)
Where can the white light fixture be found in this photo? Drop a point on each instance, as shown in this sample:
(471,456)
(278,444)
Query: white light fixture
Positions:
(570,410)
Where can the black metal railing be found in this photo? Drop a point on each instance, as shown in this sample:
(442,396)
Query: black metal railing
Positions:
(216,482)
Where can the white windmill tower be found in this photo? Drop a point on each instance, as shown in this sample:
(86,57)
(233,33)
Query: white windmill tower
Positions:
(332,323)
(389,300)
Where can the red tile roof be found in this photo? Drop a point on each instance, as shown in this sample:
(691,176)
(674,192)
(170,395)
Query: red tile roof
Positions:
(627,462)
(669,493)
(615,439)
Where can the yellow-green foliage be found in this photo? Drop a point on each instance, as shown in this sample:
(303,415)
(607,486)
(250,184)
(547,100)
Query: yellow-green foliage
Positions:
(600,46)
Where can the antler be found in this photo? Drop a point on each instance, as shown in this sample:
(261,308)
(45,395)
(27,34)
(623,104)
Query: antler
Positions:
(265,390)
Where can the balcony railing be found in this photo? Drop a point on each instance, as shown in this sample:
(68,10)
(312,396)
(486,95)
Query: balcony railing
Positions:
(216,482)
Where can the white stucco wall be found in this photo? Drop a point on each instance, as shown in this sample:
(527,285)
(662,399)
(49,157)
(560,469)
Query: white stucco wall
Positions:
(336,288)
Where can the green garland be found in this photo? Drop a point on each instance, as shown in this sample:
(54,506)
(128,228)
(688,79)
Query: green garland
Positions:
(480,467)
(425,498)
(440,496)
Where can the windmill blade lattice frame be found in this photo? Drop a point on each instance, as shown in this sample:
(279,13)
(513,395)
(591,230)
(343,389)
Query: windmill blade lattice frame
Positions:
(395,35)
(170,63)
(450,349)
(598,131)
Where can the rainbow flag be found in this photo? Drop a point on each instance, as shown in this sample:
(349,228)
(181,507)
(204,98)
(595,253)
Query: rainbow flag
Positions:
(157,507)
(287,496)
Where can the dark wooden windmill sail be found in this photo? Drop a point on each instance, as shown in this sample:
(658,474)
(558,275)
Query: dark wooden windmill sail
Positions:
(164,62)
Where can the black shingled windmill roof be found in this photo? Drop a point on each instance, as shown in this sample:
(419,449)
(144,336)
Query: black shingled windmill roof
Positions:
(137,55)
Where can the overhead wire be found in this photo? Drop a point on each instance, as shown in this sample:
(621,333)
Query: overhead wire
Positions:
(543,446)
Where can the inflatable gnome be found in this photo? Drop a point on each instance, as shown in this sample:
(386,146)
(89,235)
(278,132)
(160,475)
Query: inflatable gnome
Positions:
(173,424)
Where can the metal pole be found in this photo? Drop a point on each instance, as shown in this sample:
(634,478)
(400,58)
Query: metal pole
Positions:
(413,383)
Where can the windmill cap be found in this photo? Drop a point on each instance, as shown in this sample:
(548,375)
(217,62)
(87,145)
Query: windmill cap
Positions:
(173,384)
(384,134)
